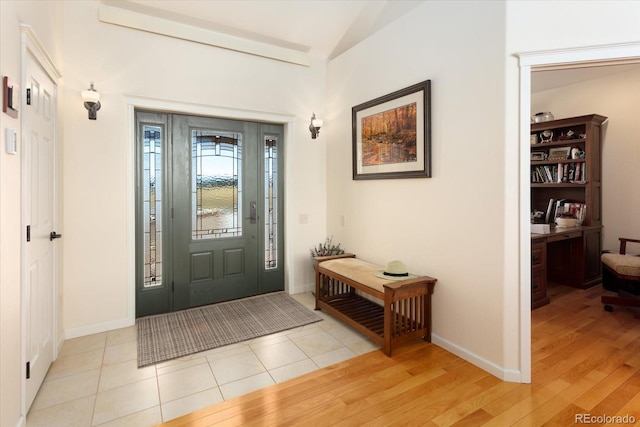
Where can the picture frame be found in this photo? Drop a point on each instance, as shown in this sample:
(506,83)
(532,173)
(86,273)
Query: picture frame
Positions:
(391,135)
(538,155)
(559,153)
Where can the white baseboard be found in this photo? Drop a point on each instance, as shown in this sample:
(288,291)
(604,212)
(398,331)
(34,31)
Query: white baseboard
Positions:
(97,328)
(303,289)
(509,375)
(300,289)
(59,342)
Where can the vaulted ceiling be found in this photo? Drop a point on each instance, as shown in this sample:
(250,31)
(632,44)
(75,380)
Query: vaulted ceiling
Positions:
(325,28)
(320,27)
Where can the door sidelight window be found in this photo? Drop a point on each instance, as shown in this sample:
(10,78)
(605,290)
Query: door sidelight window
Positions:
(152,205)
(271,201)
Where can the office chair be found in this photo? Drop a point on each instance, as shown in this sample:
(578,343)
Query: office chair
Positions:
(621,273)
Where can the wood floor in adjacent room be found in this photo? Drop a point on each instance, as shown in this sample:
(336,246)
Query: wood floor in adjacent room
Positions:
(585,363)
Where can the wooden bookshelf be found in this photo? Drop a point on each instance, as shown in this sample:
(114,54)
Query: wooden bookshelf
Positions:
(568,256)
(584,134)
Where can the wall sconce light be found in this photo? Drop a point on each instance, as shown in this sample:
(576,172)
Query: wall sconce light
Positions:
(91,98)
(315,126)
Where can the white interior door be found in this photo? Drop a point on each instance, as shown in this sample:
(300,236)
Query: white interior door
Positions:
(39,206)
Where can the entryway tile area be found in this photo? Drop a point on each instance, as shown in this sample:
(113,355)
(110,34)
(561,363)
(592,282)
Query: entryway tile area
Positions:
(96,381)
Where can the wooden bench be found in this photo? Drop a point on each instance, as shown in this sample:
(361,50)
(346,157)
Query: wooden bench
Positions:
(406,313)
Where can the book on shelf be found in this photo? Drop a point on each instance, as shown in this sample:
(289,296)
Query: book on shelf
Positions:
(558,208)
(576,209)
(581,174)
(560,173)
(545,174)
(573,173)
(550,214)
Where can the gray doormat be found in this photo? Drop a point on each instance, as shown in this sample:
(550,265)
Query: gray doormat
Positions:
(167,336)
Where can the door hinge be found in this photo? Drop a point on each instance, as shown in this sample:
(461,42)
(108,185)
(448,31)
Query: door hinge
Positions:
(173,287)
(28,233)
(28,370)
(171,213)
(28,96)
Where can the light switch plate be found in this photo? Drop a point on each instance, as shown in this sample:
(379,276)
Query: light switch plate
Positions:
(11,141)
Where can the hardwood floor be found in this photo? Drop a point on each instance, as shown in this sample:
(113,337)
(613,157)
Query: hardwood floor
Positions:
(584,361)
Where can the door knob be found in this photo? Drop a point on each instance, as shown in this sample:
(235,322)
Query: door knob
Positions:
(54,235)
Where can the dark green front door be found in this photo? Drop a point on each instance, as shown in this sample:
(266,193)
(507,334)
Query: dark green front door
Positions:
(218,205)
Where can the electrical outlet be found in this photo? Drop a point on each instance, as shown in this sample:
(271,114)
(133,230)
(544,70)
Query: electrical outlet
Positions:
(303,219)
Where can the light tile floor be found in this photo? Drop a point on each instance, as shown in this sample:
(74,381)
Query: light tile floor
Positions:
(96,382)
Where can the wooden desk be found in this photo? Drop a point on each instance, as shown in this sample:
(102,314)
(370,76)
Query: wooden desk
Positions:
(570,256)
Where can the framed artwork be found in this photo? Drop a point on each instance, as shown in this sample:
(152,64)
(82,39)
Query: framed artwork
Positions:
(560,153)
(392,135)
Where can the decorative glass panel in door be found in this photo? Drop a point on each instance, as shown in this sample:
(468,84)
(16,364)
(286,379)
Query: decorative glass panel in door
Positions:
(216,184)
(271,202)
(272,190)
(152,204)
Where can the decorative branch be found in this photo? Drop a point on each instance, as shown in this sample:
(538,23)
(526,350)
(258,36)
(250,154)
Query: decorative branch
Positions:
(326,248)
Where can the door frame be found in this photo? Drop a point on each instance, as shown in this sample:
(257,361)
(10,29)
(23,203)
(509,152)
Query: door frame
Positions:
(153,104)
(31,45)
(535,61)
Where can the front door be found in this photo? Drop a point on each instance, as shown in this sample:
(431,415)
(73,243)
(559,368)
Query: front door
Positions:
(215,224)
(209,211)
(39,206)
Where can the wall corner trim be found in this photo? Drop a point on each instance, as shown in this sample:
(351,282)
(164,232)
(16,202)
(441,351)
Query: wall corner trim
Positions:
(35,46)
(621,53)
(178,30)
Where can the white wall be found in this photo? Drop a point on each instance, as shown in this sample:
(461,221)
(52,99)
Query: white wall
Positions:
(461,226)
(449,226)
(616,97)
(549,24)
(45,20)
(126,63)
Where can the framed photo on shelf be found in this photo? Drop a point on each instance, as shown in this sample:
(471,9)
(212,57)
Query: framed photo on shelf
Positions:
(538,155)
(392,135)
(559,153)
